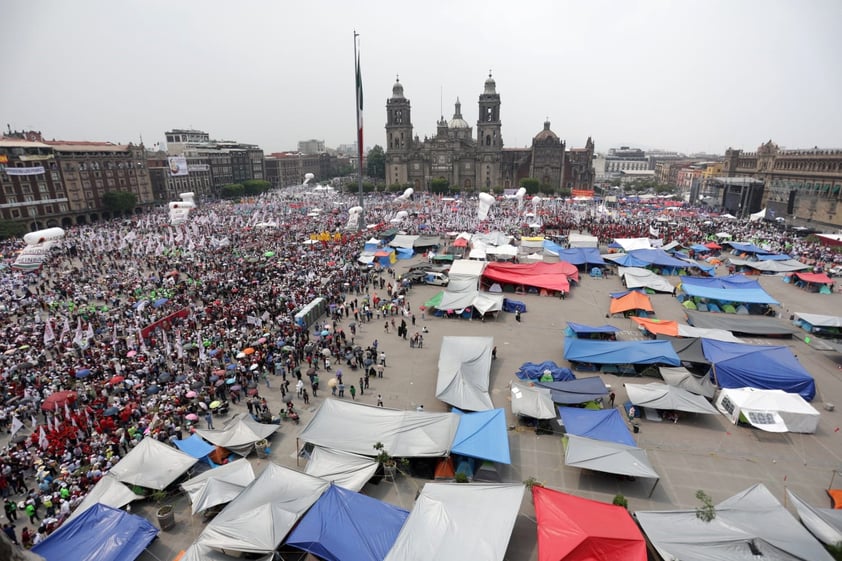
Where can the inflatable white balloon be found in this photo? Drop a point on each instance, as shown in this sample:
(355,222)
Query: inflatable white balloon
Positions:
(180,210)
(519,196)
(40,236)
(401,215)
(37,248)
(354,214)
(486,201)
(308,177)
(405,195)
(535,202)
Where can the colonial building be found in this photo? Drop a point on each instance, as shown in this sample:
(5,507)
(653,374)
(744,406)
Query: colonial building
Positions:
(284,169)
(478,163)
(229,161)
(167,185)
(804,184)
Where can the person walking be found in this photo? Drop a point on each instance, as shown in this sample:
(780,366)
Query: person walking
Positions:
(517,316)
(315,385)
(9,530)
(379,400)
(209,420)
(362,386)
(353,391)
(341,388)
(32,512)
(305,396)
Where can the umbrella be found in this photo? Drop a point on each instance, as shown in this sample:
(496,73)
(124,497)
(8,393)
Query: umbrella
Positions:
(248,350)
(213,352)
(215,404)
(241,354)
(130,354)
(189,346)
(111,411)
(152,390)
(115,380)
(311,371)
(196,385)
(236,387)
(10,351)
(58,399)
(325,352)
(269,254)
(325,332)
(288,398)
(332,383)
(191,417)
(160,302)
(219,383)
(287,348)
(253,366)
(203,405)
(230,381)
(213,379)
(218,372)
(261,340)
(180,378)
(231,367)
(83,373)
(253,391)
(191,394)
(164,377)
(24,347)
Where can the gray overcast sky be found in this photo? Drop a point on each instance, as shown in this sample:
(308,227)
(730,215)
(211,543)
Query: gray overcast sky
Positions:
(684,75)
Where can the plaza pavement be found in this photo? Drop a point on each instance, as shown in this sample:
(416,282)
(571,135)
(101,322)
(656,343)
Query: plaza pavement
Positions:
(699,452)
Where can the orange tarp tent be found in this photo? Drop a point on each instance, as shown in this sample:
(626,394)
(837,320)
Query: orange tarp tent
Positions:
(632,301)
(657,326)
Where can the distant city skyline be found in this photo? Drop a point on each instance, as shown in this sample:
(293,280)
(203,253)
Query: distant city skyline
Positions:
(688,77)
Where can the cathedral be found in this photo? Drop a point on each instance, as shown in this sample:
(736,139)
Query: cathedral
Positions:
(479,163)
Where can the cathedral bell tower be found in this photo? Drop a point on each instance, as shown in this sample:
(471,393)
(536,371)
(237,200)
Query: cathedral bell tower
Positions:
(398,121)
(488,126)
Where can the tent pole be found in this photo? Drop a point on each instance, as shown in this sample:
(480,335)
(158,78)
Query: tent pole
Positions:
(653,488)
(713,369)
(297,452)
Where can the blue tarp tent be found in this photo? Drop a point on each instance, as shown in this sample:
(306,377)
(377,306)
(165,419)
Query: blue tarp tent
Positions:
(533,371)
(739,295)
(728,282)
(404,253)
(736,365)
(579,390)
(513,306)
(620,352)
(347,526)
(656,257)
(774,257)
(749,248)
(598,424)
(102,533)
(482,435)
(196,447)
(576,255)
(582,329)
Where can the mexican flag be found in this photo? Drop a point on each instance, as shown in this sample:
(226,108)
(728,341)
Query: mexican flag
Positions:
(359,108)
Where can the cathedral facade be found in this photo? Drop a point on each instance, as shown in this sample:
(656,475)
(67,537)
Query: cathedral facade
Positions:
(478,163)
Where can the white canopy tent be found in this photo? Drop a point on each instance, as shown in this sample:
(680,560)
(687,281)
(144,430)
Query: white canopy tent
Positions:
(238,434)
(819,320)
(219,485)
(582,240)
(680,377)
(532,401)
(746,524)
(769,410)
(259,519)
(403,241)
(824,523)
(464,370)
(454,522)
(152,464)
(628,244)
(404,434)
(637,277)
(506,251)
(663,396)
(347,470)
(108,491)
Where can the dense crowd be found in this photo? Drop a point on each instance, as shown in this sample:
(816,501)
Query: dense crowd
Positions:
(135,328)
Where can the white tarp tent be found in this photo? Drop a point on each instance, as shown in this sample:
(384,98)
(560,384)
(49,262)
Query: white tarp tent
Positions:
(787,266)
(819,320)
(464,370)
(486,302)
(637,277)
(259,519)
(582,240)
(685,330)
(607,457)
(356,427)
(199,552)
(466,269)
(507,251)
(152,464)
(403,241)
(628,244)
(219,485)
(824,523)
(238,434)
(108,491)
(680,377)
(350,471)
(760,215)
(769,410)
(454,522)
(532,401)
(750,520)
(663,396)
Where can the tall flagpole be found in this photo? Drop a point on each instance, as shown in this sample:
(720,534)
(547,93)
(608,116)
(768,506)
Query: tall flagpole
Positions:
(358,81)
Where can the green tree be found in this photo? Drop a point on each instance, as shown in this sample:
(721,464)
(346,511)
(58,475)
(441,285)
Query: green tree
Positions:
(232,191)
(119,201)
(440,185)
(707,511)
(396,188)
(369,187)
(255,186)
(10,229)
(531,185)
(376,162)
(564,192)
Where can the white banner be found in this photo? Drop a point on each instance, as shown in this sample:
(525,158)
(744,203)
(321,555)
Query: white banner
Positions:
(34,170)
(178,166)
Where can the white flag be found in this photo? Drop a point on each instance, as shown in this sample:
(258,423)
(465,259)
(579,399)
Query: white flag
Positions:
(653,232)
(66,329)
(167,346)
(42,439)
(90,333)
(49,336)
(178,348)
(34,422)
(201,346)
(16,425)
(79,337)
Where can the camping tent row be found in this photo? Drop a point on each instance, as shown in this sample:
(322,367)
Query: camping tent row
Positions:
(730,290)
(674,329)
(657,259)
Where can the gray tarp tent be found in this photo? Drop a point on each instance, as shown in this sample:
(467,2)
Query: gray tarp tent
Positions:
(608,457)
(824,523)
(464,370)
(786,266)
(750,520)
(238,434)
(637,277)
(532,401)
(350,471)
(454,522)
(259,519)
(219,485)
(753,325)
(687,349)
(680,377)
(663,396)
(152,464)
(108,491)
(199,552)
(356,427)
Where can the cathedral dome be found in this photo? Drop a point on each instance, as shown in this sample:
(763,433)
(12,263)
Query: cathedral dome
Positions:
(490,85)
(397,89)
(457,122)
(546,133)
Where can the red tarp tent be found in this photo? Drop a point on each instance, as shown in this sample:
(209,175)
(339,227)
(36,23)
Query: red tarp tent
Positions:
(575,529)
(550,276)
(816,278)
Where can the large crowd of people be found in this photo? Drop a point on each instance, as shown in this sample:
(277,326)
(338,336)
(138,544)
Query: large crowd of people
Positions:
(134,328)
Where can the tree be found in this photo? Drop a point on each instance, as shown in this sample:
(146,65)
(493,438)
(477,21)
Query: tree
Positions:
(232,191)
(10,229)
(531,185)
(439,185)
(707,511)
(255,186)
(396,188)
(564,192)
(376,162)
(119,201)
